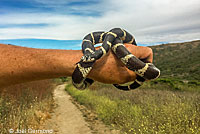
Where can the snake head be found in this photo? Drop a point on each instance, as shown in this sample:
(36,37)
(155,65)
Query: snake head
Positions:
(87,58)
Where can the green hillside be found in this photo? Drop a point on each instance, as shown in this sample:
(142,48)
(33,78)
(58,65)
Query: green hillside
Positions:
(178,60)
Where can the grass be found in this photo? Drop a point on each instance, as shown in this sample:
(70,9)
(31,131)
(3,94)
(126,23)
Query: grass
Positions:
(145,110)
(25,105)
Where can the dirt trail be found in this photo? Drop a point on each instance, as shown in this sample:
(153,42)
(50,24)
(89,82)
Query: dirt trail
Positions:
(66,119)
(69,117)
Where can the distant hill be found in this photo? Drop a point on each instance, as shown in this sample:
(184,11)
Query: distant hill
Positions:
(178,60)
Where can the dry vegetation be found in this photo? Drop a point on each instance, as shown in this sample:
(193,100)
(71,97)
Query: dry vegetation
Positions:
(25,105)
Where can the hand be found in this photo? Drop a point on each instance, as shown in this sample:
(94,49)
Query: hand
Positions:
(111,70)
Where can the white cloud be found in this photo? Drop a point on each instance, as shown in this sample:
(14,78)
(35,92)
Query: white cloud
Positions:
(149,21)
(60,26)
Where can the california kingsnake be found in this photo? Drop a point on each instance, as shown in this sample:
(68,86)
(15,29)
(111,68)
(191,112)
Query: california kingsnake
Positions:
(113,39)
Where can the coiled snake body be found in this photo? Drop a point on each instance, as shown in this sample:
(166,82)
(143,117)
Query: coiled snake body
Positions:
(113,39)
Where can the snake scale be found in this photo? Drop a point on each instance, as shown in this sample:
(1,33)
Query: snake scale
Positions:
(113,39)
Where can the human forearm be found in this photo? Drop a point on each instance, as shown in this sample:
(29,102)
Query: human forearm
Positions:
(19,64)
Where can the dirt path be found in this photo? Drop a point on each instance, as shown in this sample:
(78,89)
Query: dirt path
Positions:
(69,117)
(66,119)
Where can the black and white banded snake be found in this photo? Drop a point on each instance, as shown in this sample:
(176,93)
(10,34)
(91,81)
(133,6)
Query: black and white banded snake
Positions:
(113,39)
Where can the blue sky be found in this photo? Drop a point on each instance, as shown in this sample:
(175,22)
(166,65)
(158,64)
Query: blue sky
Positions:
(150,21)
(45,43)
